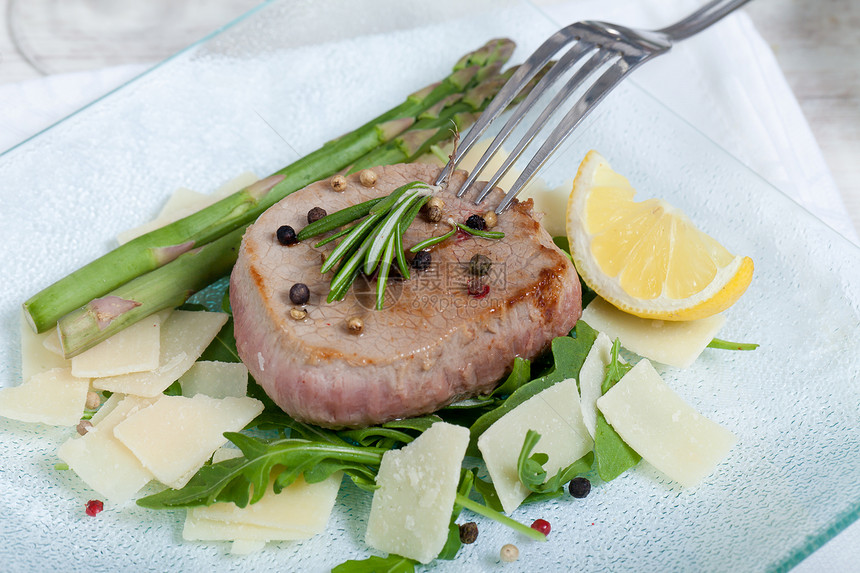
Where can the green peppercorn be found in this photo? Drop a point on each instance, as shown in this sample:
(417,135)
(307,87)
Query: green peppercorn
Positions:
(479,265)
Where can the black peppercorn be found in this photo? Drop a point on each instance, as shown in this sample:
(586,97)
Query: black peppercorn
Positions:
(299,293)
(468,532)
(286,235)
(579,487)
(479,265)
(316,214)
(476,222)
(421,261)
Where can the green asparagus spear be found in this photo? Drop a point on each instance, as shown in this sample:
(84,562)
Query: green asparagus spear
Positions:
(161,246)
(166,287)
(160,288)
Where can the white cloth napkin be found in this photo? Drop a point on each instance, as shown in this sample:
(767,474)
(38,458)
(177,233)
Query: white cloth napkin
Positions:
(725,82)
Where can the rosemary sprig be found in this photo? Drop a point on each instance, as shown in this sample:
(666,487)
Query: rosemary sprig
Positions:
(433,240)
(373,242)
(455,227)
(477,233)
(372,238)
(337,219)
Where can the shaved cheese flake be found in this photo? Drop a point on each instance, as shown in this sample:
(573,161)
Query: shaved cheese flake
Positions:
(226,453)
(201,529)
(238,183)
(667,432)
(673,343)
(243,547)
(182,202)
(106,408)
(184,337)
(54,397)
(101,461)
(133,349)
(37,354)
(411,510)
(556,415)
(175,436)
(51,342)
(215,379)
(300,511)
(185,202)
(591,377)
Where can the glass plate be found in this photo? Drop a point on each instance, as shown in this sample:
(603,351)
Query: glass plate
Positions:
(281,81)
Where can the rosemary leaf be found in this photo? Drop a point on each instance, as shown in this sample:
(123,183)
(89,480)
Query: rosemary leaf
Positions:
(477,233)
(337,219)
(357,233)
(432,241)
(389,225)
(401,256)
(337,235)
(384,266)
(389,201)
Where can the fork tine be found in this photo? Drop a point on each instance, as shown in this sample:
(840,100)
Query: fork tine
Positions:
(595,94)
(526,71)
(597,59)
(567,61)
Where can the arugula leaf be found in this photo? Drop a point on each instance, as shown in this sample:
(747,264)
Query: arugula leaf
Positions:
(391,564)
(223,347)
(235,479)
(393,433)
(726,345)
(453,543)
(467,412)
(568,355)
(562,243)
(520,374)
(615,370)
(192,306)
(588,295)
(614,456)
(532,474)
(174,389)
(488,492)
(225,301)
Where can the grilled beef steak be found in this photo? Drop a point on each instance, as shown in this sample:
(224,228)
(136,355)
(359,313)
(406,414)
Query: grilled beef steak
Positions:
(436,341)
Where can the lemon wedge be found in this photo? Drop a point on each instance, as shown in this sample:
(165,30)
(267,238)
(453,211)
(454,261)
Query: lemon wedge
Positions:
(647,258)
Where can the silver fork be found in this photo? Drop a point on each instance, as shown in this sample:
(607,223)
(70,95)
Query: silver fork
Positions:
(604,42)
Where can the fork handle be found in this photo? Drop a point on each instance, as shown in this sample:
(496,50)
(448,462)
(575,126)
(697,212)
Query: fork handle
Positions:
(700,19)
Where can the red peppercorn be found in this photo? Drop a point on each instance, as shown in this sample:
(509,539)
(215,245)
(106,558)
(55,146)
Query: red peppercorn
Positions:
(477,288)
(542,525)
(94,507)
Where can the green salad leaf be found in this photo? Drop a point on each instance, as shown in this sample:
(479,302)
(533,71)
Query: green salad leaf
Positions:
(726,345)
(453,543)
(245,479)
(532,474)
(390,434)
(568,353)
(613,455)
(520,374)
(588,295)
(223,347)
(391,564)
(488,492)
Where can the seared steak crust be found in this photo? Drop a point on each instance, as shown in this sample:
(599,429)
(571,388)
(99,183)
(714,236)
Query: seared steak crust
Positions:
(433,344)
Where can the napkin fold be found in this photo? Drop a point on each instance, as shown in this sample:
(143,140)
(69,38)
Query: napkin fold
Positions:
(726,82)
